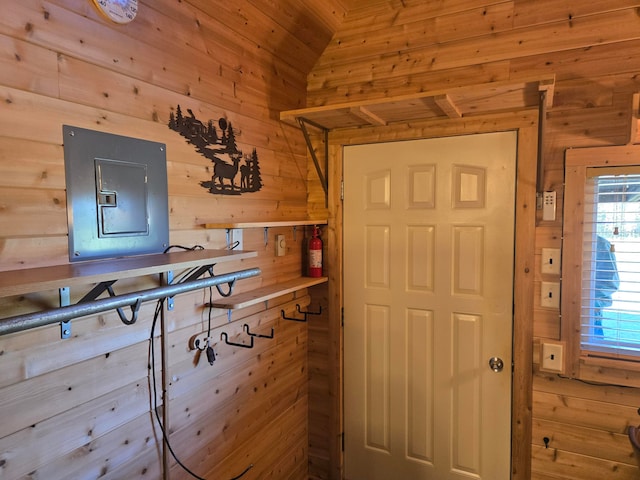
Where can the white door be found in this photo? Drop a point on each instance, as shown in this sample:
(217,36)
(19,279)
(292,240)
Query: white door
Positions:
(428,289)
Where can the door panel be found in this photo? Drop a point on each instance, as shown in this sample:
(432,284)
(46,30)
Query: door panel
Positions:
(429,240)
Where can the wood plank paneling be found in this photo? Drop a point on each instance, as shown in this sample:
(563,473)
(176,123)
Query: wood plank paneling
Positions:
(80,426)
(569,466)
(43,212)
(81,408)
(583,32)
(589,441)
(19,252)
(28,67)
(39,398)
(593,61)
(546,11)
(109,451)
(422,29)
(92,336)
(25,164)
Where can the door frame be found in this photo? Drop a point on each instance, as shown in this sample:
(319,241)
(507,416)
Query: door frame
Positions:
(525,122)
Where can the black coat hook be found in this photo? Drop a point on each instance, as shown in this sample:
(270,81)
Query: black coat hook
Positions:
(259,335)
(135,308)
(282,314)
(308,312)
(224,337)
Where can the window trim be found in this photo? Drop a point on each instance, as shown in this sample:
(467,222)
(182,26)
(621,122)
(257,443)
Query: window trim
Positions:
(616,368)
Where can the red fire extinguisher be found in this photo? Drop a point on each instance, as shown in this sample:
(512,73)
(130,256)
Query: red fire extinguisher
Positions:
(315,254)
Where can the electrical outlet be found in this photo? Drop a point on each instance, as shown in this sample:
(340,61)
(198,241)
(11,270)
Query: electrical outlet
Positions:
(550,261)
(551,357)
(550,295)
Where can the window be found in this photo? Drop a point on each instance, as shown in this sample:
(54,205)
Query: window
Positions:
(610,320)
(601,263)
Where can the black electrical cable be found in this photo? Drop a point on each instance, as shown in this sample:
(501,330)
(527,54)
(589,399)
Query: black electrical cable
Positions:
(211,355)
(243,472)
(159,307)
(152,363)
(210,269)
(152,366)
(181,247)
(595,384)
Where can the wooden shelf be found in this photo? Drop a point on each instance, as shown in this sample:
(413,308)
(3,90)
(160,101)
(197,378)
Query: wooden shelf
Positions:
(263,294)
(18,282)
(285,223)
(455,102)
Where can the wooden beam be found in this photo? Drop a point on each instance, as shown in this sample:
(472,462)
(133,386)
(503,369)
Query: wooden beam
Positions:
(448,106)
(635,118)
(367,115)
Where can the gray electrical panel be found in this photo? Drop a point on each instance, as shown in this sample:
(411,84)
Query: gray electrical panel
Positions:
(117,201)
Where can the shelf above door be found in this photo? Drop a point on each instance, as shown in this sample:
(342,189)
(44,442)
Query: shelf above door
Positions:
(454,102)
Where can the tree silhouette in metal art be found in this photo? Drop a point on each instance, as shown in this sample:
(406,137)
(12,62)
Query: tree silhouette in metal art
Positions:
(223,152)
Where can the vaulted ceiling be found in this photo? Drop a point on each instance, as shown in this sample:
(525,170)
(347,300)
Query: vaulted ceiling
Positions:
(302,29)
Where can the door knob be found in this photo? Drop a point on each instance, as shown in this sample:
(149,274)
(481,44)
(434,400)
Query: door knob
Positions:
(496,364)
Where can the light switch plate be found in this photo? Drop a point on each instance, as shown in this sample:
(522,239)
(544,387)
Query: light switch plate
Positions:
(550,295)
(552,357)
(550,261)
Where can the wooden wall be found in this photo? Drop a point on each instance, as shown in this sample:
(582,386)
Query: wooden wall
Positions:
(593,48)
(80,408)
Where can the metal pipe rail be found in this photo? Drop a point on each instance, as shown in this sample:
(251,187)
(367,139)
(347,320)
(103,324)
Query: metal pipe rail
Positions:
(64,314)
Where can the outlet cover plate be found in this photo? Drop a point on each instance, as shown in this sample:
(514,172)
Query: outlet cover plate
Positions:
(552,357)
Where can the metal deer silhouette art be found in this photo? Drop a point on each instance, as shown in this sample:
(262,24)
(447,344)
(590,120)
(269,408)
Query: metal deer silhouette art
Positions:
(222,150)
(222,170)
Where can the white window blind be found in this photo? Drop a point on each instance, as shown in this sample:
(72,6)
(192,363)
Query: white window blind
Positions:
(610,303)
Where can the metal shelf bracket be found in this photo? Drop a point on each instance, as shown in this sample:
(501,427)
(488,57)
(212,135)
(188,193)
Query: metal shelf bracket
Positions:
(303,122)
(65,300)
